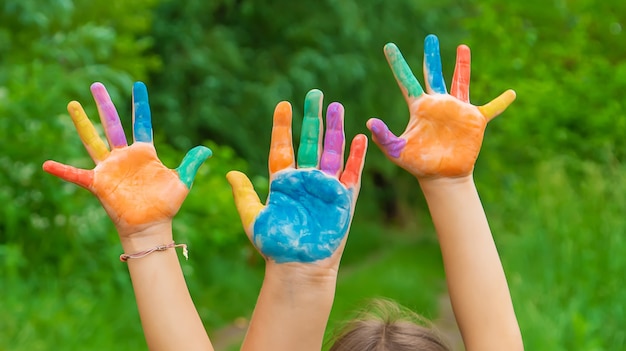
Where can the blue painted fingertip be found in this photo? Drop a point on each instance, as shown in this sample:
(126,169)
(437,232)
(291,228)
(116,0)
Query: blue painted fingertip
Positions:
(432,61)
(142,118)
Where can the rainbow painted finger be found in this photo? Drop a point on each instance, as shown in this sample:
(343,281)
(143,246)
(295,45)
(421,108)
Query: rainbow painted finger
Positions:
(191,163)
(331,162)
(309,149)
(391,145)
(88,134)
(281,146)
(496,106)
(409,85)
(142,119)
(108,116)
(462,71)
(432,66)
(80,177)
(351,176)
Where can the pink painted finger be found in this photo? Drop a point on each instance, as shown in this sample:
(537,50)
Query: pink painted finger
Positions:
(80,177)
(351,176)
(334,141)
(390,144)
(109,117)
(462,71)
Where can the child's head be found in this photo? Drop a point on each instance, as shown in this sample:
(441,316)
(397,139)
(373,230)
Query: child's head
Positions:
(386,326)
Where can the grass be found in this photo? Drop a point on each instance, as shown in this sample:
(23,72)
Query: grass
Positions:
(561,234)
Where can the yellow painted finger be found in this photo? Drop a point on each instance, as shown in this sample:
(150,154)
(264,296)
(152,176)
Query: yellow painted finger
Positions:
(88,134)
(497,105)
(246,199)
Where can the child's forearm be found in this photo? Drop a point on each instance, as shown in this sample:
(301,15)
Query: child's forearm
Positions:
(299,298)
(477,285)
(167,312)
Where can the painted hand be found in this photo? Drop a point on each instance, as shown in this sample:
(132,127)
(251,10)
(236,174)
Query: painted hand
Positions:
(445,131)
(310,206)
(134,187)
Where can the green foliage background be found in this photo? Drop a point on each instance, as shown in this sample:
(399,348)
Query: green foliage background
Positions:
(550,171)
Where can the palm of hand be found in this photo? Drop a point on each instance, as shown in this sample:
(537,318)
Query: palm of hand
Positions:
(135,188)
(445,132)
(306,218)
(443,137)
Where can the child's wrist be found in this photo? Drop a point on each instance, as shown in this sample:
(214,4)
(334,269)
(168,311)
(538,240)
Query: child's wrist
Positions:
(146,238)
(439,183)
(302,274)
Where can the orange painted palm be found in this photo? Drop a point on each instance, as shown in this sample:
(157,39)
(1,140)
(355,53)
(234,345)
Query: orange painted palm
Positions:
(134,187)
(445,132)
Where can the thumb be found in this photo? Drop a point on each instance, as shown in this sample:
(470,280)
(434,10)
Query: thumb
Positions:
(388,142)
(496,106)
(246,199)
(191,162)
(80,177)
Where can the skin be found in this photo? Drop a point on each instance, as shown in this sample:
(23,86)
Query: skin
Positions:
(439,147)
(302,229)
(141,196)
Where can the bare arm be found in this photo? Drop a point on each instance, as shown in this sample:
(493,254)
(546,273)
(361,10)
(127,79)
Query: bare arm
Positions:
(168,316)
(141,196)
(476,282)
(440,146)
(292,309)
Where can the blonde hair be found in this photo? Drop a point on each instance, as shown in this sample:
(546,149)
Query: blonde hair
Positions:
(384,325)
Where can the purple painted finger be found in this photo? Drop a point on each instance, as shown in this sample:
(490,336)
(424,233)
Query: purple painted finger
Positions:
(334,141)
(385,139)
(108,116)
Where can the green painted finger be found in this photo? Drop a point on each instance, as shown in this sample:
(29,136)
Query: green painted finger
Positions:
(191,162)
(309,149)
(401,70)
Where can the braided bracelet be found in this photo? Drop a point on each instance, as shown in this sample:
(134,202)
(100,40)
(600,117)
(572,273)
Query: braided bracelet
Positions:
(126,257)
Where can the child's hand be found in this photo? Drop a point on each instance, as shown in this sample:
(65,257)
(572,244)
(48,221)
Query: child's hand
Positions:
(310,206)
(445,131)
(135,188)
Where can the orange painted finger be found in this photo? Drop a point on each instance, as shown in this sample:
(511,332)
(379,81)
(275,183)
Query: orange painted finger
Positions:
(246,199)
(497,105)
(462,72)
(81,177)
(281,146)
(354,166)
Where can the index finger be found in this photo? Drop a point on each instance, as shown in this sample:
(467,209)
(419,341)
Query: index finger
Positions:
(281,145)
(87,132)
(407,82)
(433,75)
(109,117)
